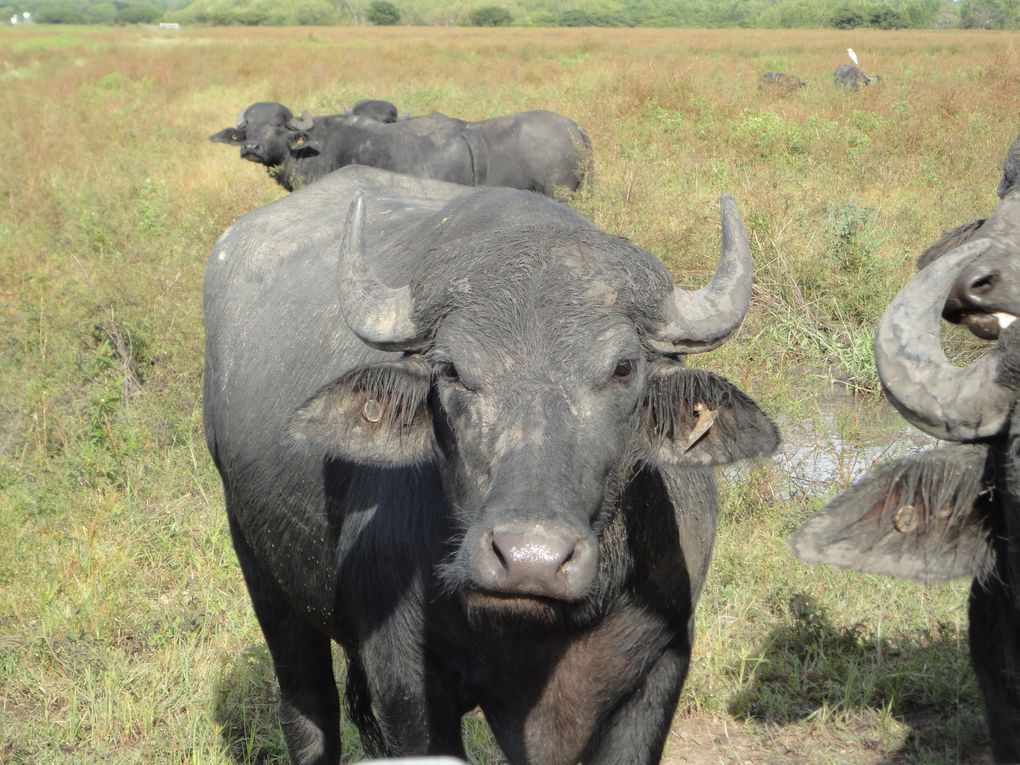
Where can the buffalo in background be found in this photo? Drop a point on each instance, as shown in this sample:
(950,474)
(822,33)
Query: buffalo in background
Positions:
(375,109)
(476,460)
(950,240)
(780,81)
(850,77)
(537,150)
(952,511)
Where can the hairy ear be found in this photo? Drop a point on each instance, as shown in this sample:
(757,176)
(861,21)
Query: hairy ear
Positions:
(693,417)
(922,517)
(233,136)
(303,143)
(374,415)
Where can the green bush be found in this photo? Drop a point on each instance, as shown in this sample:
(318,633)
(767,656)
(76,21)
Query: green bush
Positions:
(490,16)
(382,13)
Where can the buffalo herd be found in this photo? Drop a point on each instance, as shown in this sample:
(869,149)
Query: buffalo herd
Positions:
(458,436)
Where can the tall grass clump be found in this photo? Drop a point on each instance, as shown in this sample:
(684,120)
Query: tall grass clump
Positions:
(125,631)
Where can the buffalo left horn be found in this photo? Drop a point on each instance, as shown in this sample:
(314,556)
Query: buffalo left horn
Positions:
(949,402)
(695,322)
(241,123)
(379,315)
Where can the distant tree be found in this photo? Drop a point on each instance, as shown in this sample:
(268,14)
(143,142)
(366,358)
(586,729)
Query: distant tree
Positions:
(579,18)
(60,12)
(138,13)
(886,18)
(382,13)
(847,18)
(490,16)
(989,14)
(100,13)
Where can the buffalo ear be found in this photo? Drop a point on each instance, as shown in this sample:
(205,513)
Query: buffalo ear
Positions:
(692,417)
(302,142)
(922,517)
(376,415)
(233,136)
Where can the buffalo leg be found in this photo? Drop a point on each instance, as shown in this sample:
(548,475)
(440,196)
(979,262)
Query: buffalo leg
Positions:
(417,716)
(309,705)
(995,654)
(636,732)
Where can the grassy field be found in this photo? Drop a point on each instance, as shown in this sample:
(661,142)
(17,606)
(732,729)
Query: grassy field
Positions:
(125,631)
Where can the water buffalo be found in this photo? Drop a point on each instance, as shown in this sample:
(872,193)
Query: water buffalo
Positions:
(950,240)
(953,511)
(850,77)
(538,150)
(456,435)
(780,81)
(375,109)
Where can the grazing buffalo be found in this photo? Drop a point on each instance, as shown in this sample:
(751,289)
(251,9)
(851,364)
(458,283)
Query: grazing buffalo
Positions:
(975,229)
(953,511)
(538,151)
(850,77)
(375,109)
(780,81)
(457,436)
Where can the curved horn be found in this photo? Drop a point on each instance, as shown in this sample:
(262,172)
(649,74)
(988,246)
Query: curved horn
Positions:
(699,321)
(304,121)
(241,123)
(953,403)
(379,315)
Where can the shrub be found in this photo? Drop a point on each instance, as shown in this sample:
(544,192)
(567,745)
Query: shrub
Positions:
(490,16)
(382,13)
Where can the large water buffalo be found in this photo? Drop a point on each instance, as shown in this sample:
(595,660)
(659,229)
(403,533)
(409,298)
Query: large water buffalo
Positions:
(457,436)
(538,150)
(851,77)
(975,229)
(953,511)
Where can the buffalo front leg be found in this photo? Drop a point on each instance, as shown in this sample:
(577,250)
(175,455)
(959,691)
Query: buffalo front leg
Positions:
(309,705)
(995,654)
(636,732)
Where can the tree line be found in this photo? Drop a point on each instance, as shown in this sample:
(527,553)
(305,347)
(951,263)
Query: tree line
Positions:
(775,14)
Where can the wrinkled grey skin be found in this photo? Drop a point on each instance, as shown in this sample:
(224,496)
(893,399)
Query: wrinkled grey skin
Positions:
(780,81)
(537,151)
(975,229)
(850,77)
(953,511)
(515,511)
(375,109)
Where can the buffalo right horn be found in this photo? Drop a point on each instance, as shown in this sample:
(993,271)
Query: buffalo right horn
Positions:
(379,315)
(695,322)
(948,402)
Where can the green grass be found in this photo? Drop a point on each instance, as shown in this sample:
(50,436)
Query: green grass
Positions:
(125,631)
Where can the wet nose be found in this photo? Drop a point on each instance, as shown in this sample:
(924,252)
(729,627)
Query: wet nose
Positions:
(251,146)
(974,290)
(538,559)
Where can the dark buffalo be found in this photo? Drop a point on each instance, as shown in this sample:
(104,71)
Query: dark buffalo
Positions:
(375,109)
(456,435)
(780,81)
(953,511)
(975,229)
(538,151)
(850,77)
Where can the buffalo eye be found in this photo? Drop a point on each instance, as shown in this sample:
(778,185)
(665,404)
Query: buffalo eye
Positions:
(624,369)
(447,372)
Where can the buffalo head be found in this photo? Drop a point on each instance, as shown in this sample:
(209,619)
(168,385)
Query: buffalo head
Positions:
(267,132)
(540,370)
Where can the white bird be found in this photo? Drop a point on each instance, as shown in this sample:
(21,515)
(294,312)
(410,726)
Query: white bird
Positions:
(852,55)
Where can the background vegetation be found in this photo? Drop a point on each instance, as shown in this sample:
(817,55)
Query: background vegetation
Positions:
(772,14)
(125,632)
